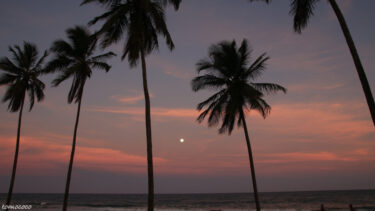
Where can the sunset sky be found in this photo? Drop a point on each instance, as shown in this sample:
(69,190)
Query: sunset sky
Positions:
(319,135)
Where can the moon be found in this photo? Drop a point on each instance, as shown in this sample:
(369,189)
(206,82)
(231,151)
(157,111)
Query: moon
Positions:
(182,140)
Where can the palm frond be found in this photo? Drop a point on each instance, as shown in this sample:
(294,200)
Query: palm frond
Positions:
(76,89)
(59,62)
(16,57)
(39,93)
(269,88)
(244,53)
(103,2)
(62,47)
(132,48)
(214,105)
(217,110)
(158,18)
(211,99)
(204,64)
(30,54)
(116,21)
(101,65)
(31,96)
(267,1)
(7,78)
(80,40)
(101,17)
(224,58)
(262,106)
(38,66)
(207,81)
(15,95)
(65,74)
(36,89)
(231,114)
(8,66)
(302,10)
(257,67)
(92,44)
(175,3)
(103,56)
(21,57)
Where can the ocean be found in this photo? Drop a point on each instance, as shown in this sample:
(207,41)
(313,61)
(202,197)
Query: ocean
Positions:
(362,200)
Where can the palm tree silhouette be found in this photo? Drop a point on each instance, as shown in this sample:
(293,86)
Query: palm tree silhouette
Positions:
(302,10)
(227,70)
(21,76)
(76,60)
(140,22)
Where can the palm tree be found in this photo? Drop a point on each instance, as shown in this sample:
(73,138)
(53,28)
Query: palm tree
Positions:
(227,70)
(75,59)
(302,10)
(139,22)
(21,76)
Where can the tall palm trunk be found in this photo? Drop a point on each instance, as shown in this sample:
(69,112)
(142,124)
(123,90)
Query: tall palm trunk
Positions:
(251,162)
(67,187)
(9,198)
(150,167)
(357,61)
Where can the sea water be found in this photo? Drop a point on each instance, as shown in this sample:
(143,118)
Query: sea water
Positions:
(362,200)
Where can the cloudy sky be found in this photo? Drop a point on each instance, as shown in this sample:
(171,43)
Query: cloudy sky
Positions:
(319,135)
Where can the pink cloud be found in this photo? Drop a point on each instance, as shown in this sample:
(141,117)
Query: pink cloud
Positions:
(347,121)
(130,99)
(155,111)
(303,157)
(42,155)
(171,69)
(310,60)
(303,87)
(177,74)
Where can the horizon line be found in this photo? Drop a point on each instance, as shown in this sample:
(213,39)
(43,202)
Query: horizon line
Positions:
(204,193)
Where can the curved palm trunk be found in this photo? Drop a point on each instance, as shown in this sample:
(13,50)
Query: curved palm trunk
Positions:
(150,167)
(256,196)
(357,61)
(9,198)
(67,187)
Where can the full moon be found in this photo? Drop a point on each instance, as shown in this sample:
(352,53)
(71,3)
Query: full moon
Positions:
(182,140)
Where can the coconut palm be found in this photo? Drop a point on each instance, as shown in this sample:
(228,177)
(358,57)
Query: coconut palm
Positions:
(227,70)
(21,76)
(302,10)
(75,59)
(139,22)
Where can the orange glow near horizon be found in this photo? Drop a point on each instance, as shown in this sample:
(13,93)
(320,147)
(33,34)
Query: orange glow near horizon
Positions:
(342,127)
